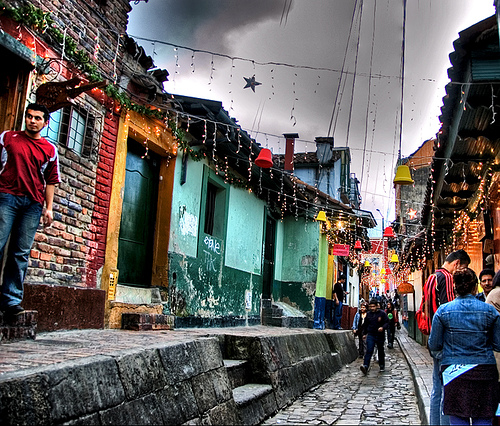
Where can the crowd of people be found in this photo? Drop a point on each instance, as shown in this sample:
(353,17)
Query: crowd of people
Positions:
(464,339)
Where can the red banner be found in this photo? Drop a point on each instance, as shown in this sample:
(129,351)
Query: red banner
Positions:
(341,249)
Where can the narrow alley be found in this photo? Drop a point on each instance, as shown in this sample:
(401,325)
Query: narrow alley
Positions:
(350,398)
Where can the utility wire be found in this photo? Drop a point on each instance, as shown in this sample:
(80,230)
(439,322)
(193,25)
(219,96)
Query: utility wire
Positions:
(343,68)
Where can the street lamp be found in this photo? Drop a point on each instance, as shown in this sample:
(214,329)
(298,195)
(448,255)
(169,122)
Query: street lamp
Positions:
(382,220)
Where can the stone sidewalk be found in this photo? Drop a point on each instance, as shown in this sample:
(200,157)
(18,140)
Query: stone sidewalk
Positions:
(421,366)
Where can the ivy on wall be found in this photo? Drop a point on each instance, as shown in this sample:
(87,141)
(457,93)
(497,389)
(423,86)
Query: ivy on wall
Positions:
(42,22)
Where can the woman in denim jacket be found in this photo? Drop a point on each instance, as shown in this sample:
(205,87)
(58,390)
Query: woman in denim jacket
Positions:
(467,331)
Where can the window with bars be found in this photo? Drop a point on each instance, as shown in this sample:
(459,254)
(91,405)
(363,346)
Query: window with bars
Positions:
(75,128)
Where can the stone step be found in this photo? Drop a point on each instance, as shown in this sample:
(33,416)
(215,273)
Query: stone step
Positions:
(18,327)
(255,402)
(143,321)
(237,371)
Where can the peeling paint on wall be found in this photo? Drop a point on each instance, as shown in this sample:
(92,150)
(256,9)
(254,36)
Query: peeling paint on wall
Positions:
(308,260)
(188,224)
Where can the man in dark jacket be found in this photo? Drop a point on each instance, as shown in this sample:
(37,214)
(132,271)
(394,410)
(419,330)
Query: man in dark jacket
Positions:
(374,327)
(338,302)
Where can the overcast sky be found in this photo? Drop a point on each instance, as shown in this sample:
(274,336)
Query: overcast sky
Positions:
(297,50)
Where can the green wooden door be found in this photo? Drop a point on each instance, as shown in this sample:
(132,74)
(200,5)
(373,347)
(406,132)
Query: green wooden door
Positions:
(137,226)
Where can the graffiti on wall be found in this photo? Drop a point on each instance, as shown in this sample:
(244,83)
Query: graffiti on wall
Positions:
(212,253)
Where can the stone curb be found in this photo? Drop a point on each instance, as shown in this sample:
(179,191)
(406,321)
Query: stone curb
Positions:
(423,397)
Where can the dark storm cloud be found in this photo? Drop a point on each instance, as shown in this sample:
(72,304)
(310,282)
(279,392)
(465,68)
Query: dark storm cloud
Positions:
(201,23)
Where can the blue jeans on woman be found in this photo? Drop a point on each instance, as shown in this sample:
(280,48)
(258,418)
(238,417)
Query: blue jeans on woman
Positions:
(19,218)
(436,399)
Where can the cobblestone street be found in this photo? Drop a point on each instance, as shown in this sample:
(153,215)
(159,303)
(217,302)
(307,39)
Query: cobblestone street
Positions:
(350,398)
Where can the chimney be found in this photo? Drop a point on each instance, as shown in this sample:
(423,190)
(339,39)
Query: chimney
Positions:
(324,149)
(289,148)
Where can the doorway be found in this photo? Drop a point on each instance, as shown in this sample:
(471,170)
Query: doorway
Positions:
(138,219)
(269,252)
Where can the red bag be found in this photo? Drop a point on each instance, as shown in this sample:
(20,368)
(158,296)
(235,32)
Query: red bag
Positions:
(422,316)
(423,320)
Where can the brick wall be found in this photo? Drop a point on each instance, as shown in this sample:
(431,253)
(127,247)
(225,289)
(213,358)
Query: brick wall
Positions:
(89,21)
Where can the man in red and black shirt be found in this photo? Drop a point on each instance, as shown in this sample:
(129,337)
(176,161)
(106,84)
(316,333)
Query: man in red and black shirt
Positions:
(29,171)
(439,290)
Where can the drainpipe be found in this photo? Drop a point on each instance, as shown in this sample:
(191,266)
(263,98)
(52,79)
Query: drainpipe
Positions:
(289,149)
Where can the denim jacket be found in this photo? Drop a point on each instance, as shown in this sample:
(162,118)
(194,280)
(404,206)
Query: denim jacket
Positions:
(466,330)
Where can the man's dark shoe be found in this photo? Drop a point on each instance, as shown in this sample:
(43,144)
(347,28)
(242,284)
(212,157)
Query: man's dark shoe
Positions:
(13,310)
(382,369)
(364,369)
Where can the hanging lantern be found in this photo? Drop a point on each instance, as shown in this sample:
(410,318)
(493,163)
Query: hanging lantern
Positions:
(367,264)
(394,258)
(265,159)
(382,271)
(403,176)
(321,216)
(389,233)
(358,246)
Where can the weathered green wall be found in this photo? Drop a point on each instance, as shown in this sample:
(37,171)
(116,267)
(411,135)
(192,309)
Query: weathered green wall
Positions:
(208,276)
(186,201)
(194,292)
(245,230)
(297,257)
(300,250)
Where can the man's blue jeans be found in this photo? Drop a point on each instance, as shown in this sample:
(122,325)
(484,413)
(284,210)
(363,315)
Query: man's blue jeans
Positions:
(371,341)
(337,315)
(19,218)
(436,400)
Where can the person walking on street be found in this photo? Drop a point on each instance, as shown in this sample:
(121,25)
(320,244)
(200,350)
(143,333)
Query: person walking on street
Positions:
(438,290)
(486,281)
(338,301)
(357,326)
(392,314)
(467,331)
(29,171)
(374,331)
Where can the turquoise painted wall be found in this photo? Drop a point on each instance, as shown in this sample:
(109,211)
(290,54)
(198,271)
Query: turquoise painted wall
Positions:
(300,250)
(295,283)
(186,200)
(245,231)
(213,277)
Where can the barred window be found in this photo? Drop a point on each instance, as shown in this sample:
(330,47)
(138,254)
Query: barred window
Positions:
(75,128)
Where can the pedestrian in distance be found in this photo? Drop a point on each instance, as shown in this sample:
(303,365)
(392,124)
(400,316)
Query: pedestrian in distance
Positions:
(392,314)
(374,329)
(29,171)
(486,281)
(467,331)
(357,326)
(438,290)
(338,302)
(494,295)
